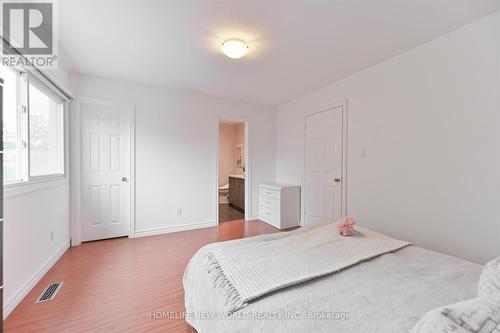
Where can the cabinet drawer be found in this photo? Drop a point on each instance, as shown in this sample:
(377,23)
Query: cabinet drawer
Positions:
(269,203)
(269,216)
(269,193)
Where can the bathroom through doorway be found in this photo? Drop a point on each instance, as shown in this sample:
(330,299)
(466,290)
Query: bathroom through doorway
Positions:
(232,171)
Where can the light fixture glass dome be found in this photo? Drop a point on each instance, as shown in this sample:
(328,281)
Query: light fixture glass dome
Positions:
(234,48)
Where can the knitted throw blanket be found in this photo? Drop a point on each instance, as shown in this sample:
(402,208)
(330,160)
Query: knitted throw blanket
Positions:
(242,273)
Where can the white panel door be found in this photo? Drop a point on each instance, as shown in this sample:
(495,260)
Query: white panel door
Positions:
(105,171)
(323,167)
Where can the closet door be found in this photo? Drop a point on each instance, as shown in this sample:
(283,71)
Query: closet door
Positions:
(106,165)
(323,167)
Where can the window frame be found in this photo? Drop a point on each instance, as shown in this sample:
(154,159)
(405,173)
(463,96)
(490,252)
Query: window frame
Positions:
(21,134)
(25,182)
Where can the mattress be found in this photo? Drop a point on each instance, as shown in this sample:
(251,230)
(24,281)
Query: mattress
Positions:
(387,294)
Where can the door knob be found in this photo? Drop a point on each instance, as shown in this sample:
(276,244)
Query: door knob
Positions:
(124,179)
(337,180)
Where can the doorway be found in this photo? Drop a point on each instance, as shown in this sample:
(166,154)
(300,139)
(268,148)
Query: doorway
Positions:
(325,166)
(107,150)
(232,171)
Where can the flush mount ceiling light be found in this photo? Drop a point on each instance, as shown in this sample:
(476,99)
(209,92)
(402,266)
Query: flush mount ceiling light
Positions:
(234,48)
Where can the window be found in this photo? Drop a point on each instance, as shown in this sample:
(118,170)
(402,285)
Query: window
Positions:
(11,135)
(33,129)
(46,134)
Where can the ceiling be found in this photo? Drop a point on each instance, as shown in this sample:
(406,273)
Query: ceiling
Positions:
(296,46)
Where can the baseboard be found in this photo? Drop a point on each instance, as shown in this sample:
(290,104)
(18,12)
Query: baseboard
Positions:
(166,230)
(18,296)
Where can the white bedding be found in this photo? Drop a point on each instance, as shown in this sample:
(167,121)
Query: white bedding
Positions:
(386,294)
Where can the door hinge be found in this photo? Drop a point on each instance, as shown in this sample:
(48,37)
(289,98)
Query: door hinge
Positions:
(24,144)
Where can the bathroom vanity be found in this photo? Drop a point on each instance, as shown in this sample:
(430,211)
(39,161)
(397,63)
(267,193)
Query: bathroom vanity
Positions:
(237,192)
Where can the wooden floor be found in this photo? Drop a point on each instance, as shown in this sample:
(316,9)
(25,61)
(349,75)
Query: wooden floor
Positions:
(113,285)
(228,213)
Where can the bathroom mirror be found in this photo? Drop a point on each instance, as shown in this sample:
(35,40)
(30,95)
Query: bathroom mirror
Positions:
(239,156)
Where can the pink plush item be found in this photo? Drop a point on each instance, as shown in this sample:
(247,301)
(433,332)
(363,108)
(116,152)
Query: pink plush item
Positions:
(345,226)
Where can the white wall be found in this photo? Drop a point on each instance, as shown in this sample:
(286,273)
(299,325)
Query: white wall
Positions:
(176,150)
(429,120)
(36,229)
(29,251)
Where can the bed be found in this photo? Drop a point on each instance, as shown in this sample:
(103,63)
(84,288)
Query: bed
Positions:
(389,293)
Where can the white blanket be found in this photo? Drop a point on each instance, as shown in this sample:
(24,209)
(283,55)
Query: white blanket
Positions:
(245,272)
